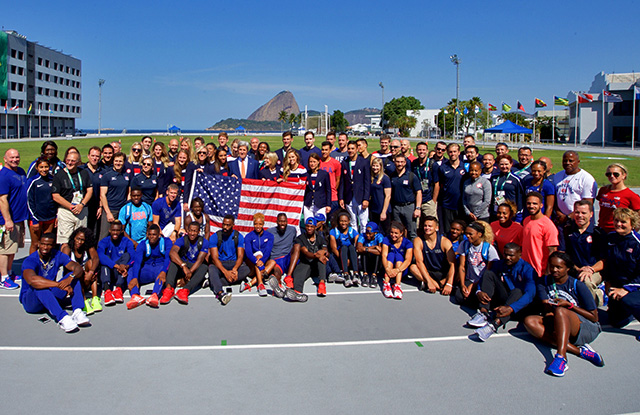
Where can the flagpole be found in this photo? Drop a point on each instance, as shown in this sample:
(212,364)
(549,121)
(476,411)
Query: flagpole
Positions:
(29,125)
(18,122)
(40,123)
(575,135)
(633,121)
(603,120)
(49,122)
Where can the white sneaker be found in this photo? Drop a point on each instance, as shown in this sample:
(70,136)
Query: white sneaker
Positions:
(397,292)
(386,290)
(79,317)
(479,319)
(67,324)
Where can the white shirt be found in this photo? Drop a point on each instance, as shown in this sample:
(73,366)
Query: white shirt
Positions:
(572,188)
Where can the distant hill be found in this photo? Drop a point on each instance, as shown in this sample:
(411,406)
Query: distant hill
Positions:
(359,116)
(269,111)
(250,125)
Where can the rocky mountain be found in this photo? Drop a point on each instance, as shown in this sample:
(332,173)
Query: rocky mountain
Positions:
(231,124)
(269,111)
(359,116)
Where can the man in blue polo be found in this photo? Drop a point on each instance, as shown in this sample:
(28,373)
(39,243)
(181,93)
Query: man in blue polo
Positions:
(167,212)
(354,189)
(406,195)
(448,186)
(309,141)
(13,213)
(226,256)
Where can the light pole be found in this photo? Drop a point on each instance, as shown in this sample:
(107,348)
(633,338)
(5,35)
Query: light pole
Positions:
(382,110)
(100,83)
(456,61)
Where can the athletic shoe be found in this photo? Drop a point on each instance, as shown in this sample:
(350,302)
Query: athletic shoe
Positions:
(167,295)
(68,324)
(276,287)
(386,290)
(332,277)
(182,296)
(205,284)
(339,278)
(79,317)
(153,301)
(117,295)
(15,277)
(288,282)
(348,282)
(88,310)
(355,279)
(8,284)
(136,300)
(373,281)
(293,295)
(397,292)
(587,353)
(95,304)
(224,297)
(605,297)
(245,287)
(262,290)
(322,289)
(479,319)
(485,331)
(365,280)
(558,367)
(108,298)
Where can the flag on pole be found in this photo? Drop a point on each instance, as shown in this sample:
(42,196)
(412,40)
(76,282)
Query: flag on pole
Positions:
(583,98)
(506,107)
(5,107)
(477,109)
(445,112)
(50,111)
(492,107)
(466,111)
(636,91)
(540,103)
(229,196)
(14,108)
(563,102)
(29,110)
(609,97)
(520,107)
(458,111)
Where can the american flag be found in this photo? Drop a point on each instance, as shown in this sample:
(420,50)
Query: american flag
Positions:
(224,195)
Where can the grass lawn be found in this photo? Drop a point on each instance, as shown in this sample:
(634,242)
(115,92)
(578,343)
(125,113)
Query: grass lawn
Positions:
(595,163)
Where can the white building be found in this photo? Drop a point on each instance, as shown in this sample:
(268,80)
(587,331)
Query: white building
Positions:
(426,121)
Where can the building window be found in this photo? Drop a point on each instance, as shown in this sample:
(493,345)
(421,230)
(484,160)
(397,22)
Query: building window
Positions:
(46,63)
(55,66)
(21,55)
(21,71)
(47,77)
(40,61)
(47,92)
(624,108)
(67,95)
(66,81)
(40,76)
(40,90)
(14,53)
(20,87)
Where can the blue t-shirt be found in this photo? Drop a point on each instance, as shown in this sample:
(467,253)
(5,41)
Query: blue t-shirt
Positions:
(405,245)
(192,254)
(574,291)
(377,240)
(148,185)
(377,194)
(166,213)
(344,238)
(545,189)
(136,220)
(228,250)
(48,270)
(14,185)
(450,180)
(117,184)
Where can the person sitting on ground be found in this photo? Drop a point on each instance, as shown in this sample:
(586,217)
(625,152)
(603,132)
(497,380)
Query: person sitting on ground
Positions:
(40,292)
(308,259)
(435,259)
(369,247)
(257,248)
(167,212)
(150,265)
(504,229)
(503,292)
(226,259)
(187,262)
(622,268)
(570,316)
(342,242)
(397,254)
(280,258)
(81,249)
(115,254)
(196,214)
(136,216)
(456,234)
(476,257)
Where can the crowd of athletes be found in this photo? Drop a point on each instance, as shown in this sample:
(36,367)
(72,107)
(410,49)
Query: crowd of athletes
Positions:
(501,233)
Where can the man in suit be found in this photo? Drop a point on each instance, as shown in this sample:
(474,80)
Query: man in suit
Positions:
(354,188)
(244,167)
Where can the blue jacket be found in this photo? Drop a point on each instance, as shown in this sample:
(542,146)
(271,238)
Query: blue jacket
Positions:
(318,191)
(358,186)
(253,168)
(622,260)
(521,276)
(109,253)
(41,206)
(254,243)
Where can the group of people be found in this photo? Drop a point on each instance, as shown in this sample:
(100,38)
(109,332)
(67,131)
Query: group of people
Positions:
(511,239)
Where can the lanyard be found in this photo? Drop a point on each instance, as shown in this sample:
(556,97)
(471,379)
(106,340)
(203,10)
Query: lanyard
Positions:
(419,170)
(495,193)
(71,179)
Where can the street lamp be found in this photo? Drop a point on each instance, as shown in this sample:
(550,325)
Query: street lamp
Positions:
(100,83)
(382,110)
(456,61)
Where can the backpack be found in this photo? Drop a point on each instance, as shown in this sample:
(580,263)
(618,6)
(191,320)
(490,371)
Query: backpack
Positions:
(236,238)
(484,251)
(187,245)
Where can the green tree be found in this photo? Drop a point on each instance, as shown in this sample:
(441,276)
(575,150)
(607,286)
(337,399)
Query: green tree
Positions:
(282,117)
(338,122)
(405,123)
(293,118)
(448,119)
(397,108)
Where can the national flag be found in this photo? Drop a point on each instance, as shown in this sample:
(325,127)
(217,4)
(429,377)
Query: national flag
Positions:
(520,107)
(445,112)
(50,111)
(458,111)
(506,107)
(477,109)
(609,97)
(563,102)
(540,103)
(29,110)
(492,107)
(229,196)
(14,108)
(636,91)
(466,111)
(583,98)
(5,107)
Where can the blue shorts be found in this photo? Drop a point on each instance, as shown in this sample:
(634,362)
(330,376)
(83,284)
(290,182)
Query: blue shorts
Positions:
(394,258)
(283,263)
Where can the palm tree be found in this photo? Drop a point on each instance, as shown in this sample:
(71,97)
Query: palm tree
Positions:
(282,117)
(292,119)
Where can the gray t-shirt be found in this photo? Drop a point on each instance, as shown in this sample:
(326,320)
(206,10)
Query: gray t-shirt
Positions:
(282,244)
(476,197)
(475,263)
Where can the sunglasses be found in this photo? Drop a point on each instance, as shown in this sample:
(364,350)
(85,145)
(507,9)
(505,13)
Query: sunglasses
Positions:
(440,149)
(137,150)
(612,173)
(395,146)
(202,152)
(146,164)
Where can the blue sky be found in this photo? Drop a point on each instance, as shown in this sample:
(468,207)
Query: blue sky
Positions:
(195,63)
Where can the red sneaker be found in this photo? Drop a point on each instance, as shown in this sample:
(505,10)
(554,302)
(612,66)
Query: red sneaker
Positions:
(183,296)
(108,298)
(288,281)
(136,300)
(322,289)
(117,295)
(153,301)
(167,295)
